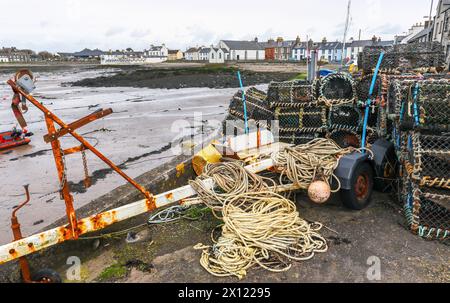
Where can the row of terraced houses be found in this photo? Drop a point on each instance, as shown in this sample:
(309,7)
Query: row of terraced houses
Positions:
(279,50)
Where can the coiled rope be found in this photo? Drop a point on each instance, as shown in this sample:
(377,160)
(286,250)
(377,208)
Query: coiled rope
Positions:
(306,163)
(260,227)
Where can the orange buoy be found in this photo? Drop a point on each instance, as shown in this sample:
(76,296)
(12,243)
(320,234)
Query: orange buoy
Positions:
(319,192)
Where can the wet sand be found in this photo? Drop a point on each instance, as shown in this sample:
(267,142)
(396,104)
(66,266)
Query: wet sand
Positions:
(138,136)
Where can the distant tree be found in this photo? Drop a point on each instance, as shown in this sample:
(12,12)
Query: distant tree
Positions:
(29,52)
(45,55)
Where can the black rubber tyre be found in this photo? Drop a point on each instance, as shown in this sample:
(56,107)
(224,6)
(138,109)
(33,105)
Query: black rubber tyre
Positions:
(46,275)
(360,195)
(387,172)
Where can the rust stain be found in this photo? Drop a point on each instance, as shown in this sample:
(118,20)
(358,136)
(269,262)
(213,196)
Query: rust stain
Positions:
(31,247)
(180,170)
(13,253)
(64,234)
(169,196)
(151,204)
(103,220)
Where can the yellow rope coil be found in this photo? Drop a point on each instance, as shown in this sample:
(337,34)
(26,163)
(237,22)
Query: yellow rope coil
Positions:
(305,163)
(260,227)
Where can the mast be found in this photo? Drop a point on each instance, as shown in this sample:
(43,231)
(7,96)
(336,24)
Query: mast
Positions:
(347,24)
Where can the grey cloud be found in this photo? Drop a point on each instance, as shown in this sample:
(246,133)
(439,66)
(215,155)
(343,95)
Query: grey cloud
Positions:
(114,31)
(140,33)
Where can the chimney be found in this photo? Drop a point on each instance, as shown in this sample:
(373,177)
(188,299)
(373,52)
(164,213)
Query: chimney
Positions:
(297,41)
(280,39)
(324,40)
(374,39)
(256,39)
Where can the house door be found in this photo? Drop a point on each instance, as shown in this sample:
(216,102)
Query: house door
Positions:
(237,57)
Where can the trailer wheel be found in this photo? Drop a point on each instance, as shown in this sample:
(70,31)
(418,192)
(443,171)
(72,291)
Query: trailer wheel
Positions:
(46,276)
(360,194)
(387,172)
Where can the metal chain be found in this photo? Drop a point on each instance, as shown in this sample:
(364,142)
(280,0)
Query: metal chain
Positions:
(64,174)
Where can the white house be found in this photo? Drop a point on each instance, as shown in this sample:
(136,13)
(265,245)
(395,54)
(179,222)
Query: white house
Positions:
(217,55)
(330,51)
(299,51)
(243,50)
(412,32)
(203,54)
(4,59)
(354,47)
(192,54)
(129,58)
(157,51)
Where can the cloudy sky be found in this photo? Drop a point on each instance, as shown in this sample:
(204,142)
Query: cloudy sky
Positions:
(70,25)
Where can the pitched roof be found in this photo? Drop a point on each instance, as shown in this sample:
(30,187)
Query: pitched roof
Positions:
(421,34)
(193,50)
(301,45)
(173,51)
(243,45)
(272,44)
(155,48)
(205,50)
(330,45)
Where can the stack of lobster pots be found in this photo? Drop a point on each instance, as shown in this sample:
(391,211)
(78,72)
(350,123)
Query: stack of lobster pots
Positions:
(403,57)
(326,108)
(331,107)
(257,109)
(420,111)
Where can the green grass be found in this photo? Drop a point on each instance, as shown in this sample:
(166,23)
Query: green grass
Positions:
(115,271)
(301,76)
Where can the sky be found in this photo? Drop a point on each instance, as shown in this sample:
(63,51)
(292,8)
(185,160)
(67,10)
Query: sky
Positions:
(71,25)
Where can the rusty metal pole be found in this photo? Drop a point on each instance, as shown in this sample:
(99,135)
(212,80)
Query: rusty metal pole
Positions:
(17,233)
(65,188)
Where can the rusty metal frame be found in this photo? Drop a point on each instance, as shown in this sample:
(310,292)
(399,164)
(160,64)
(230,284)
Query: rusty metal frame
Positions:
(75,228)
(61,234)
(53,137)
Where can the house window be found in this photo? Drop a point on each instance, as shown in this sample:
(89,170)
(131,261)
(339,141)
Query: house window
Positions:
(446,25)
(220,55)
(212,55)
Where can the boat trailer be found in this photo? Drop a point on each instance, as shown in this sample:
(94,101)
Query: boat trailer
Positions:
(21,247)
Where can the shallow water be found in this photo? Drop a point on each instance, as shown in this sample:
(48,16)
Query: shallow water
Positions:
(138,135)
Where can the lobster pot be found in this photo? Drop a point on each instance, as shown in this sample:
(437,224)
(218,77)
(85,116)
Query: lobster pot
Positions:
(304,119)
(363,87)
(427,157)
(337,88)
(427,211)
(404,56)
(289,93)
(399,91)
(236,119)
(433,103)
(345,117)
(346,138)
(297,137)
(257,107)
(368,58)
